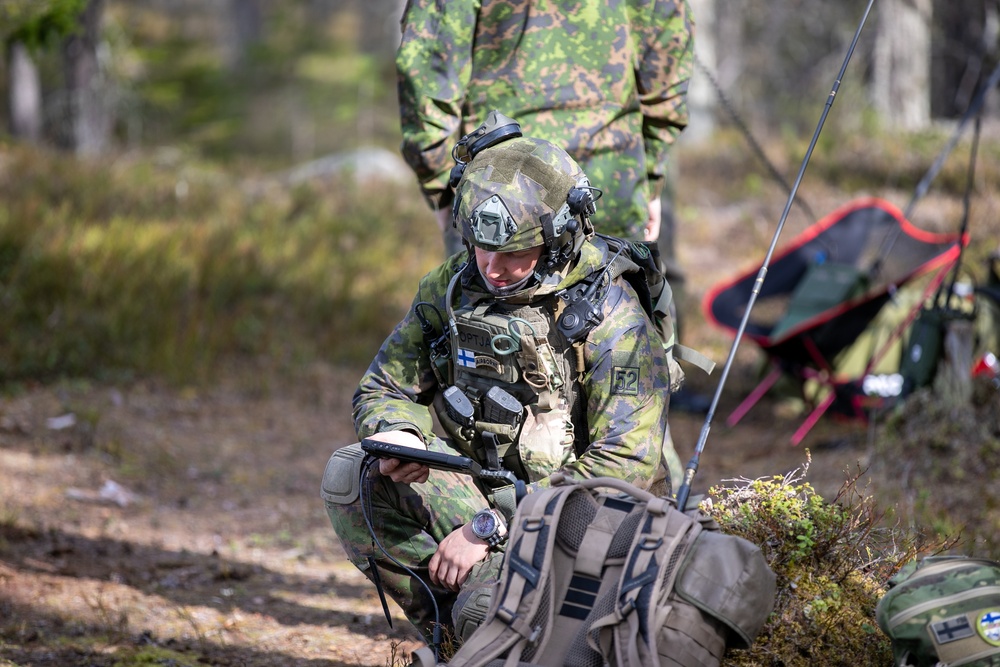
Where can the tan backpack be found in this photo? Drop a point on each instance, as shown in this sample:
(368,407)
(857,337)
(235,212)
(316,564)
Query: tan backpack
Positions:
(621,579)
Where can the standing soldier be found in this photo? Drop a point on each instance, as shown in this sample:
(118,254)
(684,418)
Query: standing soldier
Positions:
(604,79)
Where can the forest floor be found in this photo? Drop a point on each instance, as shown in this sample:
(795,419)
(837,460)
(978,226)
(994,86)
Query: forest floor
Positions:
(187,524)
(146,524)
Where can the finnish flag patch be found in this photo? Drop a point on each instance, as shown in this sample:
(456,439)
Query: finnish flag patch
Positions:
(951,629)
(465,358)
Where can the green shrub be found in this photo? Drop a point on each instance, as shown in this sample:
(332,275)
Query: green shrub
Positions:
(831,559)
(135,268)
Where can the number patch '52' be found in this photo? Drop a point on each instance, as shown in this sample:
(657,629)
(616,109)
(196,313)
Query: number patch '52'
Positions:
(625,380)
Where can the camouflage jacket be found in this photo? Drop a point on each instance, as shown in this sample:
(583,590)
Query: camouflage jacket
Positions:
(604,79)
(620,393)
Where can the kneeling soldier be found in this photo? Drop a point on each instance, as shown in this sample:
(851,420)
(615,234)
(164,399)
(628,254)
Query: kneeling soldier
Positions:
(535,355)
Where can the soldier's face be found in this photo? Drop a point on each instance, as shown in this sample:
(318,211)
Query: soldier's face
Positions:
(506,268)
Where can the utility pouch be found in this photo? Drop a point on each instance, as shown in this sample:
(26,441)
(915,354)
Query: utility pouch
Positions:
(943,611)
(728,578)
(922,350)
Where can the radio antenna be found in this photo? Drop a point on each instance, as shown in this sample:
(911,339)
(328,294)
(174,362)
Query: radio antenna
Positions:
(692,467)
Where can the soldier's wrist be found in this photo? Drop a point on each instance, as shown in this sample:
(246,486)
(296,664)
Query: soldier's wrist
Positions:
(489,526)
(385,427)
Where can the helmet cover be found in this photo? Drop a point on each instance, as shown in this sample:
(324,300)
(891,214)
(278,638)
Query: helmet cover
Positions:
(513,196)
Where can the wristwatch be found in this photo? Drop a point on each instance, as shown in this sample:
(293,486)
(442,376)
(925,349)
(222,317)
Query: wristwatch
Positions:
(487,526)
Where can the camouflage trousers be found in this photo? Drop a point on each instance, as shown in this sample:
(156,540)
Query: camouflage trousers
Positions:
(410,520)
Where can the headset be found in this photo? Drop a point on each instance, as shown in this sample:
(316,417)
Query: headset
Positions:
(496,128)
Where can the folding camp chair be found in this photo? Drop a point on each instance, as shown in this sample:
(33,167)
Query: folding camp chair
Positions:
(822,291)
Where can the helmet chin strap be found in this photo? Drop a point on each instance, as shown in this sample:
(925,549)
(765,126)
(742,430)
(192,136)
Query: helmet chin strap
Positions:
(506,290)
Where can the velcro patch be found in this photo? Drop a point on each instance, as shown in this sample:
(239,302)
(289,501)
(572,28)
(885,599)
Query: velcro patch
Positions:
(625,380)
(474,338)
(951,629)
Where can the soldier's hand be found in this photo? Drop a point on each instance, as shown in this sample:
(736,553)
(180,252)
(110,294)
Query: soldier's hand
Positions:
(396,470)
(654,214)
(458,552)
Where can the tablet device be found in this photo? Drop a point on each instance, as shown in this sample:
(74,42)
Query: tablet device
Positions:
(436,460)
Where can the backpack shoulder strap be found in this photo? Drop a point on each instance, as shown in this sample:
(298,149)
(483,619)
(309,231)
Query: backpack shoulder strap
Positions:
(511,623)
(648,575)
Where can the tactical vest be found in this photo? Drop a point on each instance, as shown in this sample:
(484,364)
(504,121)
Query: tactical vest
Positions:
(519,347)
(516,347)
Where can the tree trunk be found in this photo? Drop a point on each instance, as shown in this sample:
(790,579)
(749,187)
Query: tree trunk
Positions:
(953,382)
(244,30)
(24,94)
(964,50)
(88,94)
(901,78)
(701,94)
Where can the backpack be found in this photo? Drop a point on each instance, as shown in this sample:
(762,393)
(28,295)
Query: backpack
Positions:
(639,264)
(623,579)
(943,611)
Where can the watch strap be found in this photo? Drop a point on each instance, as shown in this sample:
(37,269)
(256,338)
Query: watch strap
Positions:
(496,539)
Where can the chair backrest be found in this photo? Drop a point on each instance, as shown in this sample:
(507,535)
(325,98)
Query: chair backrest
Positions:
(861,253)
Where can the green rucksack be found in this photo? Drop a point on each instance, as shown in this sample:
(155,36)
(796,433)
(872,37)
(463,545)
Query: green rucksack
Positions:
(943,612)
(622,579)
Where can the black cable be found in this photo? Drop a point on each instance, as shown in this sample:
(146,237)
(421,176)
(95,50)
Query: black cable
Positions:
(366,512)
(425,325)
(745,131)
(966,204)
(974,108)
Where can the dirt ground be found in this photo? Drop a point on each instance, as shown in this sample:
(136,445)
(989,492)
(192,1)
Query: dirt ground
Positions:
(189,522)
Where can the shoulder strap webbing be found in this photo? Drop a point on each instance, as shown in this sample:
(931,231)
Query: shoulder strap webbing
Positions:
(510,623)
(693,357)
(650,568)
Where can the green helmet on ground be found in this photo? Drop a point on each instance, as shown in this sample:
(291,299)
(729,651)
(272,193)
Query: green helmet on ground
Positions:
(522,193)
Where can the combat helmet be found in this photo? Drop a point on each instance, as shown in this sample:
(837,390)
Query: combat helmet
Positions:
(514,193)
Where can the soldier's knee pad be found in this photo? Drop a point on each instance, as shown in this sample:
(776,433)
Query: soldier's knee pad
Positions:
(473,601)
(342,477)
(469,610)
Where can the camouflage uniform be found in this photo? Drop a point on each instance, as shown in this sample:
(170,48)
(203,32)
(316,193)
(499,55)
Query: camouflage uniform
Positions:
(604,79)
(594,406)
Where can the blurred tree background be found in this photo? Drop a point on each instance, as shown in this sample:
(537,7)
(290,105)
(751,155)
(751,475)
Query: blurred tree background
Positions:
(253,134)
(290,81)
(271,81)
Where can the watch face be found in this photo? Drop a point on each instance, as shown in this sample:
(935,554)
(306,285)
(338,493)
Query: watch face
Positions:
(484,524)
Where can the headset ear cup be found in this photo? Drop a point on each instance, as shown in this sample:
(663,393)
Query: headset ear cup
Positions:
(456,174)
(509,130)
(581,202)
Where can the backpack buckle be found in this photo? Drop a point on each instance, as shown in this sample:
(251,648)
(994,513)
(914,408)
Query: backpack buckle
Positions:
(505,615)
(532,524)
(649,544)
(627,608)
